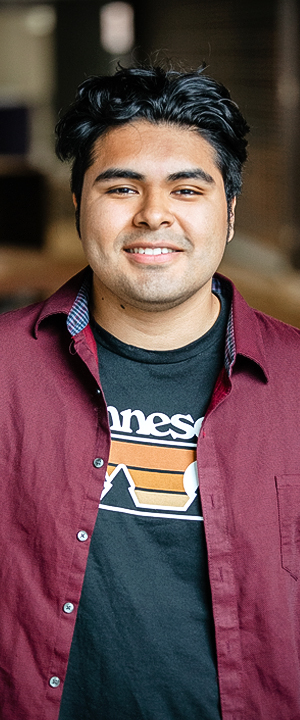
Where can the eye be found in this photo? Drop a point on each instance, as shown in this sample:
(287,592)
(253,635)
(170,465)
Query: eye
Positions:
(121,191)
(187,192)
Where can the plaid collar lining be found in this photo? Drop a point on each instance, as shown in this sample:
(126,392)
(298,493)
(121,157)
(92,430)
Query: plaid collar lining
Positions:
(79,317)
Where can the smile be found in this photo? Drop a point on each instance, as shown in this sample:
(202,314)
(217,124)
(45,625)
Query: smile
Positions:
(151,251)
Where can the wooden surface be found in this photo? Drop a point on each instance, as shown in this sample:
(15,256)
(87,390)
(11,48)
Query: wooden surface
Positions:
(28,271)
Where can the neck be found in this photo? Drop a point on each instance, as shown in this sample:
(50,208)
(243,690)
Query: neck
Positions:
(162,330)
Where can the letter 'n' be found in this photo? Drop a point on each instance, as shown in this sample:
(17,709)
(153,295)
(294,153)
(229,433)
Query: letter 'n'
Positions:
(127,416)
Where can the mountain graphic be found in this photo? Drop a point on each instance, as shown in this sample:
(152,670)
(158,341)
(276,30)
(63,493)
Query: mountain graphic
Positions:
(155,477)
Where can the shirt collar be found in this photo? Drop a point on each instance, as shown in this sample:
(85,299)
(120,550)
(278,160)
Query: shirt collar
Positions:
(79,315)
(62,302)
(243,335)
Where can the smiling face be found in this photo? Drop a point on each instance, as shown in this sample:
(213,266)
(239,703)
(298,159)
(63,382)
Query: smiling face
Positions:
(153,216)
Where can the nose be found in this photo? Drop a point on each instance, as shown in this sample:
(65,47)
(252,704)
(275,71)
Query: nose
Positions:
(154,211)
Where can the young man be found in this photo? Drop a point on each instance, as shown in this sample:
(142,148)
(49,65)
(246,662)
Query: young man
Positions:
(140,381)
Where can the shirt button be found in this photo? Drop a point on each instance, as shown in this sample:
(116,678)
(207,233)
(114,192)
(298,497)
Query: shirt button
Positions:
(68,608)
(98,391)
(82,536)
(54,681)
(98,462)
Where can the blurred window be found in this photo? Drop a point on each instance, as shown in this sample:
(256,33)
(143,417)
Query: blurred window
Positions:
(117,27)
(40,20)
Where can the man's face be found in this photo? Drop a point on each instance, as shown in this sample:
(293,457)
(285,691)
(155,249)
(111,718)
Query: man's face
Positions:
(153,215)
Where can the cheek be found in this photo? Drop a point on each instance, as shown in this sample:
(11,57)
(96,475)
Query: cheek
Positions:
(103,221)
(217,226)
(208,226)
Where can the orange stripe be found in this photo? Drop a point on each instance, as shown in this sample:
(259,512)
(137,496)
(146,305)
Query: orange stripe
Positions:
(157,481)
(151,456)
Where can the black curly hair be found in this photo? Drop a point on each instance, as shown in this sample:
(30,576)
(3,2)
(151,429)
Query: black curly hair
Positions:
(188,99)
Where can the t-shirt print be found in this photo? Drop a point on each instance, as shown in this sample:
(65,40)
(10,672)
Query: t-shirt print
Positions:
(152,464)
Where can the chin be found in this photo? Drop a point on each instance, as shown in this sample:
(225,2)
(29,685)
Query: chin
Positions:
(155,304)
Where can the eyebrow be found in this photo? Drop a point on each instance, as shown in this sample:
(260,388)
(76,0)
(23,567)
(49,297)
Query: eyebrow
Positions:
(197,174)
(112,173)
(126,174)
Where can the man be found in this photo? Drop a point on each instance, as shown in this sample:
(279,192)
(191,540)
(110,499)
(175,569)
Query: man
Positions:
(142,379)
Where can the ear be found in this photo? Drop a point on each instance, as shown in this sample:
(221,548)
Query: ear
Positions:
(74,201)
(231,220)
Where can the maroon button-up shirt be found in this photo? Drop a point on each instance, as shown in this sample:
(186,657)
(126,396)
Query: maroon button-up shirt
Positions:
(54,425)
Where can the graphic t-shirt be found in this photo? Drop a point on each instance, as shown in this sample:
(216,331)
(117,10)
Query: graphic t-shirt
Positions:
(143,646)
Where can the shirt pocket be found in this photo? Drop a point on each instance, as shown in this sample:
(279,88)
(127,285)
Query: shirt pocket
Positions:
(288,501)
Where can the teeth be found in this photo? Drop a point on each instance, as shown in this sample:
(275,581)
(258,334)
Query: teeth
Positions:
(152,251)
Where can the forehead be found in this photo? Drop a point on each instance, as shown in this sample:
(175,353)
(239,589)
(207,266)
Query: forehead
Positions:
(160,145)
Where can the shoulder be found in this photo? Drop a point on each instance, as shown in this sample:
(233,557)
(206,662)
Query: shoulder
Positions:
(276,330)
(30,332)
(281,343)
(25,321)
(270,343)
(17,325)
(24,316)
(248,318)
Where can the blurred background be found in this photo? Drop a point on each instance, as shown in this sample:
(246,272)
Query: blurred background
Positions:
(48,48)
